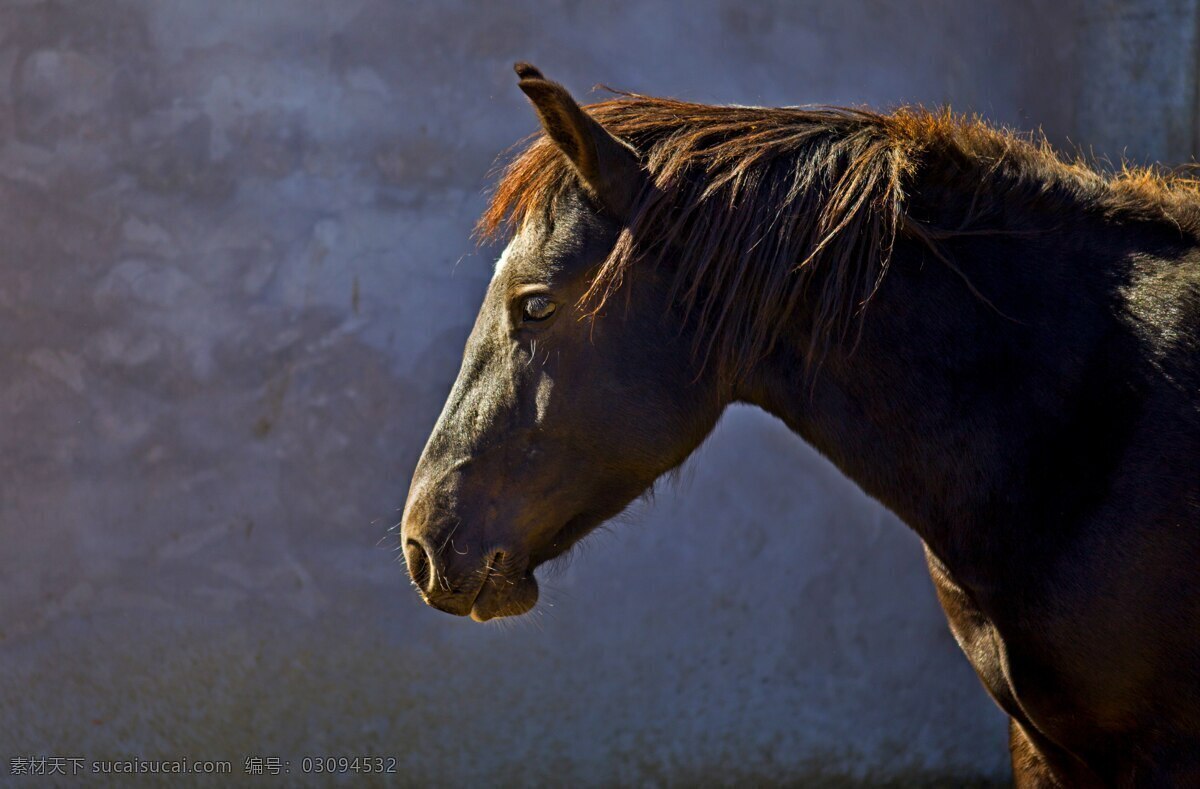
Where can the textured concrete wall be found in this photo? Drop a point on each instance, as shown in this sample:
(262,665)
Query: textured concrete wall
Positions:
(235,280)
(1144,51)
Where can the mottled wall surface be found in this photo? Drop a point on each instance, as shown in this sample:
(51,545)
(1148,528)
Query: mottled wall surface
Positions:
(235,280)
(1146,52)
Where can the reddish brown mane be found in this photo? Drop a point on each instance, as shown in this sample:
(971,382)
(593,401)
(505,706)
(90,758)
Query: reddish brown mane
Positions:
(762,199)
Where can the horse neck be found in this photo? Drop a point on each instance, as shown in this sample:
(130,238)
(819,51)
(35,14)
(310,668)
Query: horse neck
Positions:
(975,427)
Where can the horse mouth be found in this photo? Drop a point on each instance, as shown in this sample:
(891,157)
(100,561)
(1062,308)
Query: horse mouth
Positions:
(503,594)
(512,591)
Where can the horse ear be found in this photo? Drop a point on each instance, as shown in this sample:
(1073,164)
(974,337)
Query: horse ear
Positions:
(610,168)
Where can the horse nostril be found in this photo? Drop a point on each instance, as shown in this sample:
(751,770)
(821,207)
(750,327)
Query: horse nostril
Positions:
(418,563)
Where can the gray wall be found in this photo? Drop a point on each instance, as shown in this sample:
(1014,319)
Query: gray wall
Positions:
(235,279)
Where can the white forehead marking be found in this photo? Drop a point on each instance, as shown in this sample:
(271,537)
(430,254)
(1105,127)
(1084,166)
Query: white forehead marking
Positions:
(505,257)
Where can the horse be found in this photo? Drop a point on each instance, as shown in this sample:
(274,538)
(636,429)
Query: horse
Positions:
(997,342)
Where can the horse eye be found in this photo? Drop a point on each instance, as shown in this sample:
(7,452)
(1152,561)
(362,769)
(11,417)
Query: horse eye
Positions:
(537,308)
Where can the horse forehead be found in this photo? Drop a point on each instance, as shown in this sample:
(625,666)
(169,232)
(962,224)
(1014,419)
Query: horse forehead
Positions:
(542,250)
(531,255)
(504,262)
(521,255)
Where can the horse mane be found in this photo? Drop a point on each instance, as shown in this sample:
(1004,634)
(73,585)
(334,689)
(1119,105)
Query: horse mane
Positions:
(766,202)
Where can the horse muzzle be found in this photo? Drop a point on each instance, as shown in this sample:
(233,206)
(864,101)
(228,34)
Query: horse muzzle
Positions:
(461,581)
(508,589)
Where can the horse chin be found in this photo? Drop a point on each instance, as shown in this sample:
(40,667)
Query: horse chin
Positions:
(499,597)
